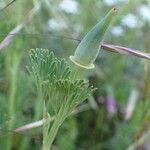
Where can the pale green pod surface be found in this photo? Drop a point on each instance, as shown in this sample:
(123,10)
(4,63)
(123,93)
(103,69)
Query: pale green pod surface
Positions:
(88,48)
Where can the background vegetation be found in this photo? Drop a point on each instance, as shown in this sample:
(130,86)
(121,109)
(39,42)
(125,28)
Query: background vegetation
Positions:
(123,82)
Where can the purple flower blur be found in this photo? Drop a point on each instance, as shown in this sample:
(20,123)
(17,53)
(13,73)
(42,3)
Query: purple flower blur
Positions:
(111,105)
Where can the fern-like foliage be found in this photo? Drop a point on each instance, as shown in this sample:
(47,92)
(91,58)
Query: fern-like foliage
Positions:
(44,66)
(57,85)
(61,92)
(67,94)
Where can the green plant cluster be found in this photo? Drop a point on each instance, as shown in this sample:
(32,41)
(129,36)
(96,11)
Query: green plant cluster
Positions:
(92,128)
(53,78)
(61,92)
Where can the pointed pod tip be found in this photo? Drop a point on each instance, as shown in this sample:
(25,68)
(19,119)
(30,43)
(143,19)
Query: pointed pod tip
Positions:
(114,9)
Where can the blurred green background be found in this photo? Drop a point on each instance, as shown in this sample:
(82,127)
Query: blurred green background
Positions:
(122,81)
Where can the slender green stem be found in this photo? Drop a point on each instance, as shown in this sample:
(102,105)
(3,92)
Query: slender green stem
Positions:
(78,72)
(39,103)
(147,81)
(52,134)
(54,129)
(12,97)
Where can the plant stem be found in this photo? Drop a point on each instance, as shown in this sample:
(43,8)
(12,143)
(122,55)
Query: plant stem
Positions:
(40,123)
(54,129)
(52,133)
(38,103)
(147,81)
(12,95)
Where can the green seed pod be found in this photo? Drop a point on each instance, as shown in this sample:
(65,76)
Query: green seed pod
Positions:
(88,48)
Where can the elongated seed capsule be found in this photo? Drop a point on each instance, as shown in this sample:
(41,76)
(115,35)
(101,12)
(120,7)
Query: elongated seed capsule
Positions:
(88,48)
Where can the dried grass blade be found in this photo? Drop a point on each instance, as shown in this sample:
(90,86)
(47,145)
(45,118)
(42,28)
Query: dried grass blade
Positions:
(125,50)
(8,39)
(7,5)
